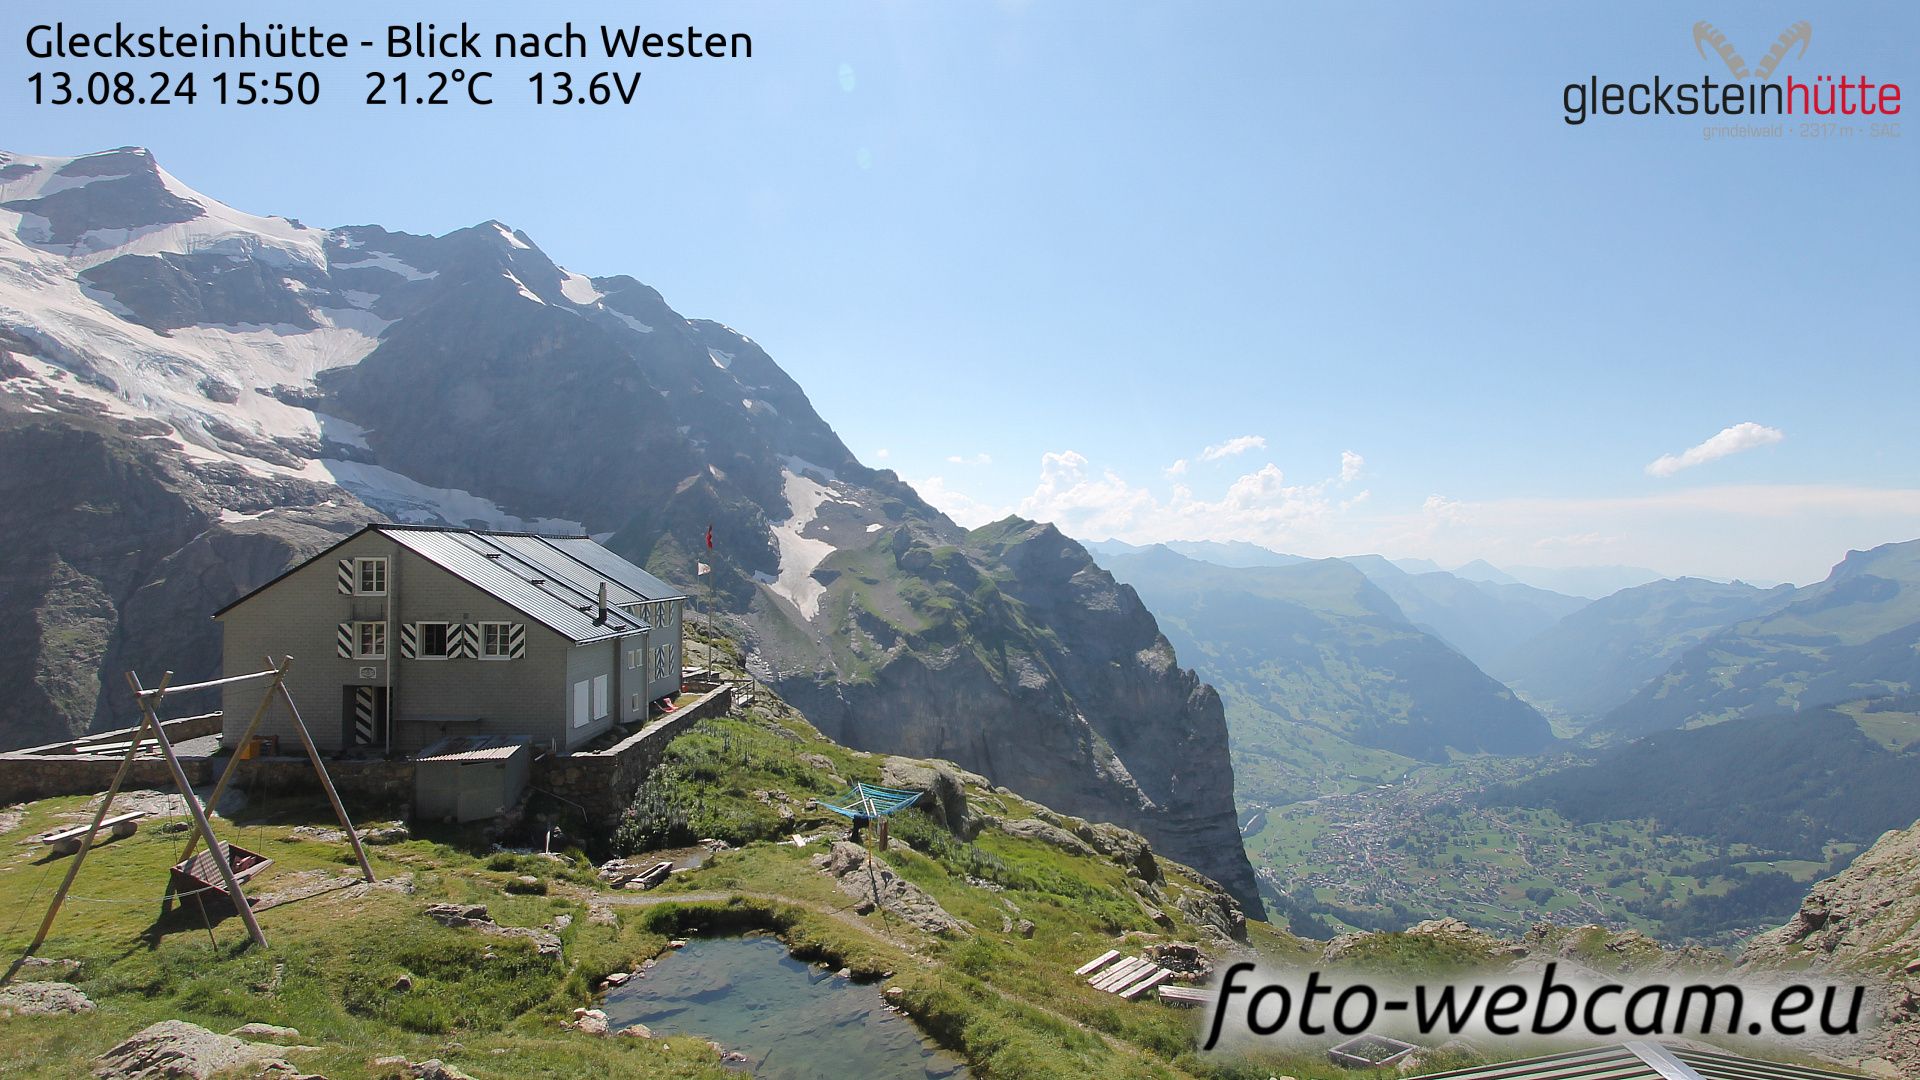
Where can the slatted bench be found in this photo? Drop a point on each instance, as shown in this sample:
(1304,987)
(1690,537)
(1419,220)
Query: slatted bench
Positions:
(200,876)
(1123,976)
(1186,995)
(67,841)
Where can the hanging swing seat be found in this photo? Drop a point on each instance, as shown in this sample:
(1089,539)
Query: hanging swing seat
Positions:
(200,875)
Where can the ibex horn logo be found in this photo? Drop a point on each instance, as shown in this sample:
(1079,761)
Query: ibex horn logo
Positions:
(1704,35)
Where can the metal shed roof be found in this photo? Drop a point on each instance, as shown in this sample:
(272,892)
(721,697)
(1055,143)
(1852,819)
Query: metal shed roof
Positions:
(506,565)
(552,600)
(465,748)
(1640,1061)
(606,563)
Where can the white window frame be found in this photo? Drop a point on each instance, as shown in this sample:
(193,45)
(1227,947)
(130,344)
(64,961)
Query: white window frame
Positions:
(505,634)
(377,564)
(420,641)
(375,630)
(601,703)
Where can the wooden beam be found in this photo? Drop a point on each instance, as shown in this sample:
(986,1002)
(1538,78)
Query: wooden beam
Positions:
(106,803)
(200,821)
(208,685)
(1094,964)
(313,755)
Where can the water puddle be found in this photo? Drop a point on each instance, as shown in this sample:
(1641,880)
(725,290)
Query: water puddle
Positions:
(792,1021)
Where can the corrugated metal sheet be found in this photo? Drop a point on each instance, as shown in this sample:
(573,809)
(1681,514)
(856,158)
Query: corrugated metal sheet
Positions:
(555,603)
(1623,1063)
(458,748)
(615,568)
(540,556)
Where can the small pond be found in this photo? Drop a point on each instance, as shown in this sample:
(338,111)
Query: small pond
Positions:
(793,1021)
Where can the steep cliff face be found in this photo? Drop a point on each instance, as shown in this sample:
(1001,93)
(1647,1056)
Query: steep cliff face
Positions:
(1864,922)
(1007,650)
(251,364)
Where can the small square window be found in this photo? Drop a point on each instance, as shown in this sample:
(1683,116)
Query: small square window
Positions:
(433,641)
(493,641)
(370,576)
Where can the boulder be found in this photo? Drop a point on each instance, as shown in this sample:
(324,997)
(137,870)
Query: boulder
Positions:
(264,1031)
(942,785)
(867,879)
(43,999)
(177,1050)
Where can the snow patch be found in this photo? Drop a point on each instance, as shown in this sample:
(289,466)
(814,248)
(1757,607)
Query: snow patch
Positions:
(579,288)
(524,291)
(803,466)
(512,240)
(875,527)
(721,360)
(800,555)
(380,260)
(407,500)
(234,516)
(631,321)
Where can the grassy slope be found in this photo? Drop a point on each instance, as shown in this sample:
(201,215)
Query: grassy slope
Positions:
(1007,1003)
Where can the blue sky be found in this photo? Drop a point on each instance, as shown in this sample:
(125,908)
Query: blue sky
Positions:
(1033,255)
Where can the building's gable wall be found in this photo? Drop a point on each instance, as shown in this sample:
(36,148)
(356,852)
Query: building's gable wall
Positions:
(299,616)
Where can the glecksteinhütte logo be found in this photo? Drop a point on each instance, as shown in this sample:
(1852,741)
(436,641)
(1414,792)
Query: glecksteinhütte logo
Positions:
(1751,92)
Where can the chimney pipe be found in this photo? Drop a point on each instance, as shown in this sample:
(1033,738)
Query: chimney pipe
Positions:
(603,604)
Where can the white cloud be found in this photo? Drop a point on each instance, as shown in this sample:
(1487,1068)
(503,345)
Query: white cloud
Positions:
(1261,506)
(1178,468)
(882,454)
(1239,444)
(963,508)
(1729,441)
(977,459)
(1350,466)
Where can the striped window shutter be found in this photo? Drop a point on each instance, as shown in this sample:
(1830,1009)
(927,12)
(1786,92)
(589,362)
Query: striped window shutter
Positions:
(463,641)
(343,640)
(346,577)
(409,640)
(517,641)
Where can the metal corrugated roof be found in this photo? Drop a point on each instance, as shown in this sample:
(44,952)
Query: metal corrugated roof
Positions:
(462,748)
(541,555)
(1640,1061)
(613,567)
(555,603)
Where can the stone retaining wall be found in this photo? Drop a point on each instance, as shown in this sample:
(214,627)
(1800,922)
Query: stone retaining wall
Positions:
(603,782)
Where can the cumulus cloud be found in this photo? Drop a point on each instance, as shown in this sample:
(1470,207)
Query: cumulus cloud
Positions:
(1262,505)
(963,508)
(1178,468)
(977,459)
(1729,441)
(882,454)
(1350,466)
(1239,444)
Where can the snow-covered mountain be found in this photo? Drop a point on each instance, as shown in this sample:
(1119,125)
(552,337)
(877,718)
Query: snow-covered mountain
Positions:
(191,396)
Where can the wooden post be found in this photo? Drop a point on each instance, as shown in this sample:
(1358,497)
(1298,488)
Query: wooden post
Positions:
(200,817)
(233,764)
(106,804)
(313,755)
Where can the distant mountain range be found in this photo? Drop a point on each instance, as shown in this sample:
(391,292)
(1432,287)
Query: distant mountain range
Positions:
(1855,635)
(1595,658)
(1314,659)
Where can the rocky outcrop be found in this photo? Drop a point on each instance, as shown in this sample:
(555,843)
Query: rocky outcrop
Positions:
(1863,922)
(872,883)
(176,1050)
(43,999)
(943,791)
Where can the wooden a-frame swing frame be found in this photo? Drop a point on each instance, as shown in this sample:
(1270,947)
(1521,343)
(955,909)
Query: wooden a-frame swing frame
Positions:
(150,700)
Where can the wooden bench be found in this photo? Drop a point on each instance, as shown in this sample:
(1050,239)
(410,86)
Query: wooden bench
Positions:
(67,841)
(1186,995)
(200,876)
